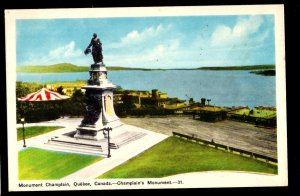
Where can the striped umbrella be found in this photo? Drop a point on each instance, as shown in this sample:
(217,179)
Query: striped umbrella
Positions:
(43,95)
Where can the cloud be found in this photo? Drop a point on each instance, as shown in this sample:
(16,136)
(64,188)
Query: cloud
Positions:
(66,53)
(171,46)
(241,32)
(154,57)
(162,51)
(135,36)
(222,34)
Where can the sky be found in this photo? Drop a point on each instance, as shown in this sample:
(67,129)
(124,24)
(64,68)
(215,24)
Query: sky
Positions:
(149,42)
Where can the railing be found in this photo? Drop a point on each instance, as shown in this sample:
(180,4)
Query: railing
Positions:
(234,150)
(265,122)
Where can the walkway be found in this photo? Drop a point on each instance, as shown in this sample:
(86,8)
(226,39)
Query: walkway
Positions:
(68,123)
(240,135)
(236,134)
(118,156)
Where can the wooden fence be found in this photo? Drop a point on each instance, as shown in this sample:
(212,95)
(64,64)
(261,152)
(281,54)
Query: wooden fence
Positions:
(227,148)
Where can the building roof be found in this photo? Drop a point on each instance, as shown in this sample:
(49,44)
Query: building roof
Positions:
(209,109)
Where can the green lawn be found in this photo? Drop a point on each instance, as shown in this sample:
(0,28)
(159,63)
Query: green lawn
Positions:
(175,156)
(35,131)
(38,164)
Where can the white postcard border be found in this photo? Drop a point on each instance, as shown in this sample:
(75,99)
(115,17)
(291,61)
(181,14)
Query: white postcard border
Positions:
(205,179)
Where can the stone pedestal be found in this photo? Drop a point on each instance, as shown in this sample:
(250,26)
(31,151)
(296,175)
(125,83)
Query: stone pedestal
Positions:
(100,111)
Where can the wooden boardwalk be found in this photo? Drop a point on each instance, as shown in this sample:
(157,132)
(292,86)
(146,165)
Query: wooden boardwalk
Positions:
(236,134)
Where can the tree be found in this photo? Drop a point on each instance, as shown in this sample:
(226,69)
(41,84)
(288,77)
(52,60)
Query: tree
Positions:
(75,106)
(60,90)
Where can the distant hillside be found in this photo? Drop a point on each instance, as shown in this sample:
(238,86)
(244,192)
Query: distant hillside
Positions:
(249,67)
(57,68)
(65,67)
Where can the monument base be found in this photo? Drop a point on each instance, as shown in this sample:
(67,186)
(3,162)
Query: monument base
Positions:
(95,132)
(119,137)
(100,111)
(88,134)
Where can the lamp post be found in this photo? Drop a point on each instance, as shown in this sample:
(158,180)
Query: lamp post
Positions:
(107,129)
(23,122)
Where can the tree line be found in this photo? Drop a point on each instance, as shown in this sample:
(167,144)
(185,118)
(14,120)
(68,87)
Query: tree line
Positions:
(47,110)
(74,107)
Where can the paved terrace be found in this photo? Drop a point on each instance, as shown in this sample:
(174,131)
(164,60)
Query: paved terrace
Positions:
(118,156)
(236,134)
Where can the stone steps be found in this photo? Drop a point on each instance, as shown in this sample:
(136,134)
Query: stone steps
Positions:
(67,147)
(133,138)
(93,147)
(83,145)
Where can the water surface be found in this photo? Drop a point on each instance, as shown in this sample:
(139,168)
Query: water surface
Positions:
(224,88)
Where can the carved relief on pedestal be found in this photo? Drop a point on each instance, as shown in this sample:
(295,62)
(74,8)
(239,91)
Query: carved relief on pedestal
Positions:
(108,107)
(93,108)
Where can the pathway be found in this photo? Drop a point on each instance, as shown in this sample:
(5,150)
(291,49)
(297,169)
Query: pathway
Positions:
(236,134)
(240,135)
(118,156)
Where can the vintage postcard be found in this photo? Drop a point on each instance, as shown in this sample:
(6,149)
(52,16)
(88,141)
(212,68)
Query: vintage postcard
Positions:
(144,98)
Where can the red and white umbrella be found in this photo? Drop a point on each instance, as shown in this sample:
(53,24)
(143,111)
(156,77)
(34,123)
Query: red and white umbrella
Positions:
(43,95)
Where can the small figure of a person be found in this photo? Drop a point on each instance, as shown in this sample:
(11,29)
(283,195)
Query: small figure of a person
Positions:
(96,49)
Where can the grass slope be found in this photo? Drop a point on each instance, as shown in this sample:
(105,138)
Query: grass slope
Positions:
(56,68)
(175,156)
(37,164)
(35,131)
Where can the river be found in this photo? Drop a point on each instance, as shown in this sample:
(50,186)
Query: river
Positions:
(224,88)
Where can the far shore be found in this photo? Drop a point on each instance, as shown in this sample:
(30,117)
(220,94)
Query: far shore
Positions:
(67,68)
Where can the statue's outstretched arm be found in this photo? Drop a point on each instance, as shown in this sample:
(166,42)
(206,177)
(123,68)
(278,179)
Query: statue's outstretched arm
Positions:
(87,50)
(89,45)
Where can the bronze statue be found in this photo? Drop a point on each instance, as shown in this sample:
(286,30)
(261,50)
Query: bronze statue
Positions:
(96,49)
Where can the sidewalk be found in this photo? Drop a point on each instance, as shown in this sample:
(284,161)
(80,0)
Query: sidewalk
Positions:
(118,156)
(69,124)
(66,121)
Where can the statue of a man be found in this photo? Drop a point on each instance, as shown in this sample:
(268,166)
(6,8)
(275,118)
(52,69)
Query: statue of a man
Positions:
(96,49)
